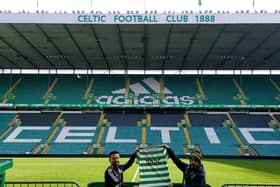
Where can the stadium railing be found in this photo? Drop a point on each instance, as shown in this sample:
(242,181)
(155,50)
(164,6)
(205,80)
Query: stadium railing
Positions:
(250,185)
(128,184)
(41,183)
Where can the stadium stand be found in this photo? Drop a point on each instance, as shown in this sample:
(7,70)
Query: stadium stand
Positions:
(253,120)
(206,90)
(204,120)
(72,133)
(166,119)
(49,113)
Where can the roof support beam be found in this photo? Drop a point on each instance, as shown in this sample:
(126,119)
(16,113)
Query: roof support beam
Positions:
(241,39)
(124,59)
(273,53)
(203,61)
(100,47)
(146,45)
(189,47)
(30,44)
(266,58)
(19,53)
(167,47)
(55,46)
(78,47)
(10,61)
(275,30)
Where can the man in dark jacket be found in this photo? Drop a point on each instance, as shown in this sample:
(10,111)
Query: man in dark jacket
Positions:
(194,173)
(114,173)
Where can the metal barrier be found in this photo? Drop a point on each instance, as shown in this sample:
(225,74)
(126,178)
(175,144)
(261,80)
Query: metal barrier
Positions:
(250,185)
(41,184)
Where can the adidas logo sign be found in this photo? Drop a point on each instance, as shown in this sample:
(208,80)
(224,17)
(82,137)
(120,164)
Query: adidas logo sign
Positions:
(138,88)
(146,92)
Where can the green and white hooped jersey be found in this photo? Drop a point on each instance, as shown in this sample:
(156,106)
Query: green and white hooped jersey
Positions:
(153,169)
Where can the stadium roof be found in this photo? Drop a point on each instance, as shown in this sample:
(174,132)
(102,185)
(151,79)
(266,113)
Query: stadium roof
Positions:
(139,46)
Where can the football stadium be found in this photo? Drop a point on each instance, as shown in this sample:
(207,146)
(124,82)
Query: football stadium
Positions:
(76,85)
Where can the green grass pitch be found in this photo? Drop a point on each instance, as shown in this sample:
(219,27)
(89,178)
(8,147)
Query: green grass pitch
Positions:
(85,170)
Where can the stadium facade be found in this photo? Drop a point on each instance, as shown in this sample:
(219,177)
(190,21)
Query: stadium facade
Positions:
(58,114)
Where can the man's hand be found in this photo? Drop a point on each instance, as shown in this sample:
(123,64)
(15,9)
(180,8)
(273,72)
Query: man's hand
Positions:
(137,148)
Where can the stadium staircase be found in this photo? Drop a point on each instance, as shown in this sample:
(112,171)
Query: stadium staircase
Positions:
(276,86)
(161,87)
(88,96)
(245,150)
(98,148)
(240,96)
(200,97)
(11,120)
(49,95)
(274,123)
(46,146)
(9,95)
